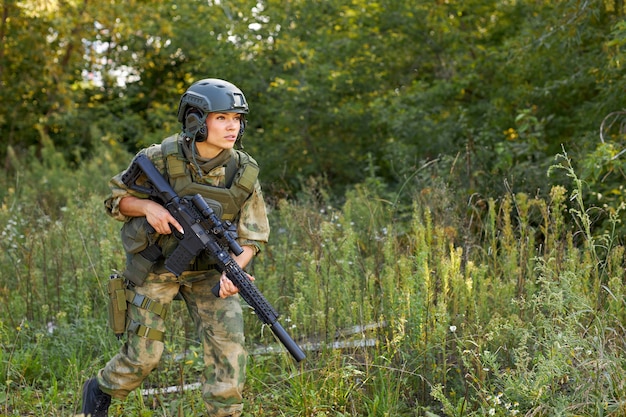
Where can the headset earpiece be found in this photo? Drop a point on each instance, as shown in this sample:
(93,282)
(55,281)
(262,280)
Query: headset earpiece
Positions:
(195,125)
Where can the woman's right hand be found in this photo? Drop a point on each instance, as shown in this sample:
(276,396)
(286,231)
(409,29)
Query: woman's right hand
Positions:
(157,216)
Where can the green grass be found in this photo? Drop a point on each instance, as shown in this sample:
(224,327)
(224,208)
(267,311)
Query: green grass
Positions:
(504,306)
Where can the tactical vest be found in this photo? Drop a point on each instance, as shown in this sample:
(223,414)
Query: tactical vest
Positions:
(241,175)
(144,254)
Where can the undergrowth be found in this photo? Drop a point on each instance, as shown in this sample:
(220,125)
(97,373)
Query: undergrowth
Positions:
(513,307)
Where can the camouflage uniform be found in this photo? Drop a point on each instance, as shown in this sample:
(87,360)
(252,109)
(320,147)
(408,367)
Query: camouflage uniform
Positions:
(219,322)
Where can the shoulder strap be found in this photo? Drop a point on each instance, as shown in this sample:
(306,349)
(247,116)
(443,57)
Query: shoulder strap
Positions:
(247,175)
(173,157)
(231,170)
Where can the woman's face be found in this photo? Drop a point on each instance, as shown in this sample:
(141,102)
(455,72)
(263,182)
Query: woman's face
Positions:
(222,133)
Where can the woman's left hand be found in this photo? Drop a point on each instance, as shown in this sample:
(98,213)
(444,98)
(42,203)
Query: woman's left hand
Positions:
(227,288)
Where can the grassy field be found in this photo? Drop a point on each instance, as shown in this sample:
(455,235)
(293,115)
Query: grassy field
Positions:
(510,306)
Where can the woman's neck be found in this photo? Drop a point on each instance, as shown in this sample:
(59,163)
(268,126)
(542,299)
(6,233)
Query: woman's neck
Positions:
(207,152)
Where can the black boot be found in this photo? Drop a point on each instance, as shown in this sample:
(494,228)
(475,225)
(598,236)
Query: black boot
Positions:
(95,402)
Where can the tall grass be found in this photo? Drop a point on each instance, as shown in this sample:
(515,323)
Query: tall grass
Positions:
(511,306)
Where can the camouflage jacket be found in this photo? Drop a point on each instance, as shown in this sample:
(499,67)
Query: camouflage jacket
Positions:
(252,222)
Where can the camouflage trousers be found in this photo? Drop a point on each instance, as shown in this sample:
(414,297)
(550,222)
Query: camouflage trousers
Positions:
(219,323)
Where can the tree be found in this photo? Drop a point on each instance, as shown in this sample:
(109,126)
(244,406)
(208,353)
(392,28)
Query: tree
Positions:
(344,89)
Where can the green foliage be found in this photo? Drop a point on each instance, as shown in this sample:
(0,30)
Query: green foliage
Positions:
(404,148)
(403,310)
(346,89)
(497,327)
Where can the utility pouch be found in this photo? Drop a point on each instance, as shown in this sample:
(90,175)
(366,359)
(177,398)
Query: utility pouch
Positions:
(117,305)
(137,268)
(139,240)
(136,235)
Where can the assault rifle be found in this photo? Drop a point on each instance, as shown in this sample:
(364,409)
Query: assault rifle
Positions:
(204,231)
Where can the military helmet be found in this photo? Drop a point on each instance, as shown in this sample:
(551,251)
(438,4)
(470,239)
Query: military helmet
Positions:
(209,96)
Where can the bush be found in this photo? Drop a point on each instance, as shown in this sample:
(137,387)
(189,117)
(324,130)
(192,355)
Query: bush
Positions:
(513,306)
